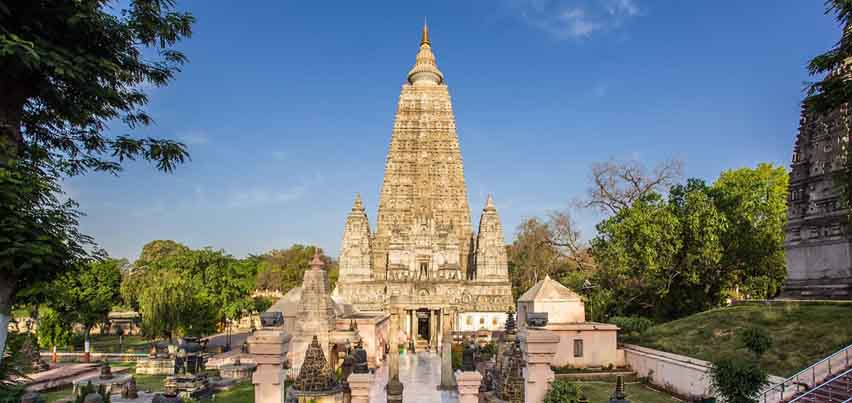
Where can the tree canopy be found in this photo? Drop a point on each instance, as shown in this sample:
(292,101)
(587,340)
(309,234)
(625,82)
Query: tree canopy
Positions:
(71,69)
(668,258)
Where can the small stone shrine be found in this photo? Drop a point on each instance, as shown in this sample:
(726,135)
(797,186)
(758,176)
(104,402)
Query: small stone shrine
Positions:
(512,377)
(237,370)
(618,395)
(189,379)
(105,379)
(316,382)
(158,362)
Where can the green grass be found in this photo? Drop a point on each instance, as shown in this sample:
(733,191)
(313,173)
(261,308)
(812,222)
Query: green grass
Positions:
(802,333)
(636,393)
(241,393)
(109,344)
(152,383)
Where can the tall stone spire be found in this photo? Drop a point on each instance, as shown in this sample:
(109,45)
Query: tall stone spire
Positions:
(491,260)
(356,251)
(425,70)
(424,177)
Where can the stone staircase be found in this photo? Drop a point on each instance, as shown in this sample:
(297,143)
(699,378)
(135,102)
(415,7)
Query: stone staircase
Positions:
(836,390)
(421,344)
(827,381)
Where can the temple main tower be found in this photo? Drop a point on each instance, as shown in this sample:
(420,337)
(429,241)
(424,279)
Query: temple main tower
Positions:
(424,251)
(423,189)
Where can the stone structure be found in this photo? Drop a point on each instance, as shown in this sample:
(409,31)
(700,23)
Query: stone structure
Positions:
(468,382)
(424,249)
(394,388)
(581,344)
(237,370)
(539,346)
(159,362)
(316,382)
(359,387)
(818,242)
(268,349)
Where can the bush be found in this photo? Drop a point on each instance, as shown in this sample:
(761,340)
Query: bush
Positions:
(631,326)
(457,351)
(738,380)
(757,340)
(562,391)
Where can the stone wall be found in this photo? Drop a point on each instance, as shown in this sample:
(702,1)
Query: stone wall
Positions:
(677,374)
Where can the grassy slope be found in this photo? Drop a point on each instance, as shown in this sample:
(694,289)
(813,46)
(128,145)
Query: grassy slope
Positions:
(802,333)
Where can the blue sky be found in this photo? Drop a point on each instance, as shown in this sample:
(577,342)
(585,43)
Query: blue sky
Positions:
(287,108)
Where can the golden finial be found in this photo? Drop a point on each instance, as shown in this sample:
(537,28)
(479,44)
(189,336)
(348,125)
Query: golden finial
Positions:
(425,39)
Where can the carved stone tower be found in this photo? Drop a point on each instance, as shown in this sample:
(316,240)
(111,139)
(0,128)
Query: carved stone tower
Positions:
(425,262)
(492,264)
(818,243)
(355,257)
(424,187)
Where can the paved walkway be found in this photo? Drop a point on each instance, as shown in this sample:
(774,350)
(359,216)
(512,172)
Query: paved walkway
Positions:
(421,374)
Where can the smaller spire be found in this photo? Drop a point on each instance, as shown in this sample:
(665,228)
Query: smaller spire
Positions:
(358,205)
(489,203)
(316,262)
(425,39)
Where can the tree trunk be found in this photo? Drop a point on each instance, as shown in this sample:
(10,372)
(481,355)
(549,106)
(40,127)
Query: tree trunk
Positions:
(8,284)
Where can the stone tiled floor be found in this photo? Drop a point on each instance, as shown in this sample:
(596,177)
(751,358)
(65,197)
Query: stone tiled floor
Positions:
(421,374)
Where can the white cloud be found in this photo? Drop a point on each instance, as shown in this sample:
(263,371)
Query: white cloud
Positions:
(194,137)
(574,19)
(257,197)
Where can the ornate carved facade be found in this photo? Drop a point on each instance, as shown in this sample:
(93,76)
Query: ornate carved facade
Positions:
(817,240)
(424,251)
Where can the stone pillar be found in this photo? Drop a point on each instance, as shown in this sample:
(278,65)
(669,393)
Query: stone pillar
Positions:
(433,329)
(415,325)
(394,386)
(539,346)
(268,347)
(468,386)
(359,386)
(448,381)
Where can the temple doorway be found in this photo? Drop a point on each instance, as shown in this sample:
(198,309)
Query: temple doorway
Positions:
(423,324)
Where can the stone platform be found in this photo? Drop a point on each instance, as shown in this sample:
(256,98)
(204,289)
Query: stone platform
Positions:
(420,373)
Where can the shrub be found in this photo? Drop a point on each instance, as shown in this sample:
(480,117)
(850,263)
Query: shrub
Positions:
(738,380)
(631,326)
(757,340)
(562,391)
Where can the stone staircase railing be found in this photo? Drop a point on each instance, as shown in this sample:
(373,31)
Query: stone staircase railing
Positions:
(809,377)
(826,392)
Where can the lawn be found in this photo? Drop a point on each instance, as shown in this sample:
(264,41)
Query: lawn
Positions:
(152,383)
(598,392)
(109,344)
(802,333)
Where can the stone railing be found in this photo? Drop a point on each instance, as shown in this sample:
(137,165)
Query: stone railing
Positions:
(81,357)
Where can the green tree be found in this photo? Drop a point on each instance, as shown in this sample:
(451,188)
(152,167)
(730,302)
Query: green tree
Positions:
(757,340)
(53,328)
(754,200)
(532,255)
(670,258)
(70,68)
(738,380)
(167,306)
(283,269)
(86,295)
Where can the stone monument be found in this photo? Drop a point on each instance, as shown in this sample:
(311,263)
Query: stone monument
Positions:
(268,348)
(424,248)
(316,382)
(817,242)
